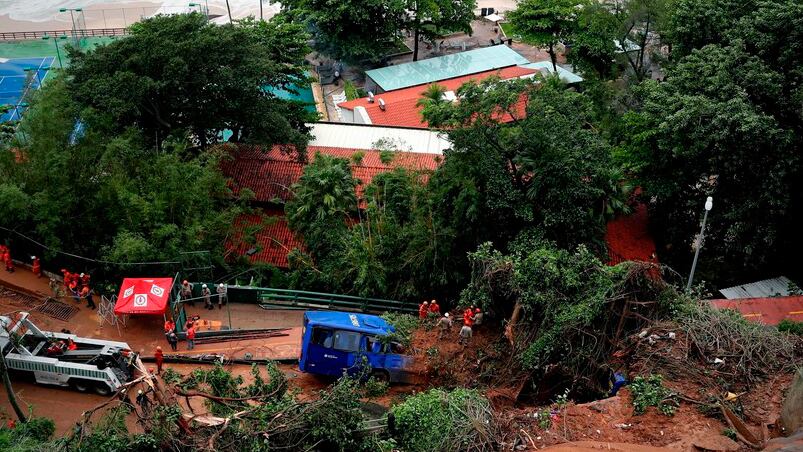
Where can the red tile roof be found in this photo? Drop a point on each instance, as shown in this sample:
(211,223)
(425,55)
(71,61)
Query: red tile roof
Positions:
(401,109)
(769,311)
(628,238)
(273,241)
(269,173)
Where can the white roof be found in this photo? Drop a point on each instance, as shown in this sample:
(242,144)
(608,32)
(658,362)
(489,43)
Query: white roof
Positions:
(564,74)
(775,287)
(630,46)
(364,136)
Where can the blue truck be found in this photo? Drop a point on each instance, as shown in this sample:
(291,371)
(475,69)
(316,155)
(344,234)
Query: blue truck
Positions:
(336,342)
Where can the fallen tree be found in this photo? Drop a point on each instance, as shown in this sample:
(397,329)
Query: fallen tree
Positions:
(567,311)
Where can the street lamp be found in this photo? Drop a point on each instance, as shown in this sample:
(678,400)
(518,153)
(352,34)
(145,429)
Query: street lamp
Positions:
(709,203)
(56,43)
(72,17)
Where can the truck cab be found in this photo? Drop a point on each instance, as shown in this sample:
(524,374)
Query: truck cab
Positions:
(334,343)
(91,364)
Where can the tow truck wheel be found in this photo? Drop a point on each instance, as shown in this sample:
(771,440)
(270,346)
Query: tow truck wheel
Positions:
(102,389)
(80,385)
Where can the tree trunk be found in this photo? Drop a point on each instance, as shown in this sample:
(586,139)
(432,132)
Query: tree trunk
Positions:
(553,57)
(228,8)
(415,40)
(12,398)
(514,319)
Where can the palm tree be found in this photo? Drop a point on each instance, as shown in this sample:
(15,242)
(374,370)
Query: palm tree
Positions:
(433,95)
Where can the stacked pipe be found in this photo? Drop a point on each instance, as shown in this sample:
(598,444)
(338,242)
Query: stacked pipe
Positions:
(241,335)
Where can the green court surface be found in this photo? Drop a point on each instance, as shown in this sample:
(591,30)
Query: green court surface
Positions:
(40,48)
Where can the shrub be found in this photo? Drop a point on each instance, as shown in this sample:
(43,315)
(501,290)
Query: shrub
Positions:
(403,324)
(374,387)
(791,327)
(357,157)
(350,90)
(444,421)
(651,391)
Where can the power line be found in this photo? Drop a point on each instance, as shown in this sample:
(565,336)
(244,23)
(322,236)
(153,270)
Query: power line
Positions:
(88,259)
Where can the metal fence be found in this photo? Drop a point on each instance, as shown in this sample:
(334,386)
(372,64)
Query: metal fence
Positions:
(81,33)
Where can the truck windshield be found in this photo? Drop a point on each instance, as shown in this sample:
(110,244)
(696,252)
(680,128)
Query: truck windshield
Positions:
(347,341)
(322,337)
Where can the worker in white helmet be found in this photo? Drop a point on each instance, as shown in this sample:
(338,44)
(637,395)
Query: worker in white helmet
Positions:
(207,294)
(221,294)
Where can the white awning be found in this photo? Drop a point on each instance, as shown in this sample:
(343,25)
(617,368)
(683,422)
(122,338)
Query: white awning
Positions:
(494,17)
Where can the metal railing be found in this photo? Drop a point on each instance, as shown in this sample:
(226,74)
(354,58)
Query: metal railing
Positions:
(81,33)
(299,299)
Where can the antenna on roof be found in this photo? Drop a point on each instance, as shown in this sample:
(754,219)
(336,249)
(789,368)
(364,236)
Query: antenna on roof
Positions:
(381,104)
(370,97)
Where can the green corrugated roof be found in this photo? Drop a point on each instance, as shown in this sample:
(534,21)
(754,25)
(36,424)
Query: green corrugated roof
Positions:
(445,67)
(564,74)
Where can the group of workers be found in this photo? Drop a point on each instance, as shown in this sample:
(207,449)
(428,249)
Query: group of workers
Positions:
(206,294)
(77,284)
(471,316)
(60,346)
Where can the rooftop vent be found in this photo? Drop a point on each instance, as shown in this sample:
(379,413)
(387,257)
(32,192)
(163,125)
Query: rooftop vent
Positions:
(381,104)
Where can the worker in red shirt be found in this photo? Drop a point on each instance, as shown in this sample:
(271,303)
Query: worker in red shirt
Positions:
(434,308)
(191,337)
(423,309)
(84,279)
(67,277)
(468,316)
(159,357)
(169,326)
(36,267)
(71,345)
(8,261)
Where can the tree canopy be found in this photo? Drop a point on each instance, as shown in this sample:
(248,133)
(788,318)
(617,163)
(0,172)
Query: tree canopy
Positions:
(546,23)
(181,76)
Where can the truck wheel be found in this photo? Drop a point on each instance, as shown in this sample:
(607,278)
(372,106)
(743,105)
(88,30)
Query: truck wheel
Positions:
(102,389)
(381,376)
(80,385)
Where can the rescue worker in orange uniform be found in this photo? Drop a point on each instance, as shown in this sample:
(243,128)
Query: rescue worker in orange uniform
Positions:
(71,345)
(434,308)
(468,316)
(159,357)
(36,267)
(84,279)
(8,261)
(423,309)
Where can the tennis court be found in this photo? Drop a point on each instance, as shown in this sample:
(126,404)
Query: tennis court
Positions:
(17,77)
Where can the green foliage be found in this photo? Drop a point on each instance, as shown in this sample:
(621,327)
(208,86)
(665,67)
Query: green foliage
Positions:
(721,111)
(550,169)
(27,436)
(545,23)
(375,388)
(403,326)
(108,194)
(443,421)
(592,49)
(791,327)
(142,80)
(730,433)
(171,377)
(357,157)
(568,304)
(350,90)
(651,391)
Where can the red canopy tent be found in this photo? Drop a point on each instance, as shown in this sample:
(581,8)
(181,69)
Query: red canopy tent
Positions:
(143,296)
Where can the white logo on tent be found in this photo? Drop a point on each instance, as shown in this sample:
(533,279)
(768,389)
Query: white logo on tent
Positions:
(128,292)
(141,300)
(158,291)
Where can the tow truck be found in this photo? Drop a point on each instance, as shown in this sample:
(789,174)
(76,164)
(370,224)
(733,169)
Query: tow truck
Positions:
(90,364)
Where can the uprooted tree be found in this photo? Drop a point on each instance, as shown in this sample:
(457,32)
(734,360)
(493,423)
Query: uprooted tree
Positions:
(571,319)
(567,310)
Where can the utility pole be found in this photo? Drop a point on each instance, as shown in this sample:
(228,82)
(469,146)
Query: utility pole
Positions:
(709,203)
(228,8)
(260,11)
